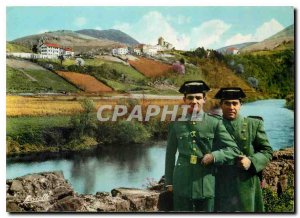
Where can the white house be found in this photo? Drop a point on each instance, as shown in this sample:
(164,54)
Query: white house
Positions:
(232,50)
(121,50)
(68,52)
(51,49)
(150,49)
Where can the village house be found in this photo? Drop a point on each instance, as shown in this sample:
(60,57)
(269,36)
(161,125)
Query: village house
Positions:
(136,50)
(68,52)
(120,50)
(232,50)
(52,49)
(150,50)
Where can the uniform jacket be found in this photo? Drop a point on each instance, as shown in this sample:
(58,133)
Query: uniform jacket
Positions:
(237,189)
(209,135)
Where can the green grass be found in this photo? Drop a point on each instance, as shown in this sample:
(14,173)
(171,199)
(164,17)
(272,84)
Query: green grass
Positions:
(18,82)
(16,126)
(11,47)
(128,71)
(119,86)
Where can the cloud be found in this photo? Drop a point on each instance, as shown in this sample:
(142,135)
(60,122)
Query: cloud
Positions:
(264,31)
(183,19)
(208,33)
(80,21)
(238,39)
(150,27)
(267,29)
(179,19)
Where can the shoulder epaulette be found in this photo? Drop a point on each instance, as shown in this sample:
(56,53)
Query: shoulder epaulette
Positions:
(257,117)
(215,115)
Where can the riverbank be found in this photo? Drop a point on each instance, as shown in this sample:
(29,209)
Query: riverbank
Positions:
(50,192)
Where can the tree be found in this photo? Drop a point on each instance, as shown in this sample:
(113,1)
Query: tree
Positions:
(80,62)
(35,49)
(61,58)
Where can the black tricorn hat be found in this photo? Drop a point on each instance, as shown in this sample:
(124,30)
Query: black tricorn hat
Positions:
(230,93)
(195,86)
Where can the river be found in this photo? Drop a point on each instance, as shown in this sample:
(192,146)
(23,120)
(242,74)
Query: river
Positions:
(136,166)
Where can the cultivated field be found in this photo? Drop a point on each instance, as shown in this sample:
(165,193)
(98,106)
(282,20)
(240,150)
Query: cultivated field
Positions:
(150,68)
(35,80)
(67,105)
(86,83)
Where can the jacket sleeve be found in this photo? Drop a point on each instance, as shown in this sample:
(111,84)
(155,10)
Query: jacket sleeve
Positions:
(262,149)
(170,154)
(226,148)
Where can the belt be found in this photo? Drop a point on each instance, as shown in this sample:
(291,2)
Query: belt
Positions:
(192,158)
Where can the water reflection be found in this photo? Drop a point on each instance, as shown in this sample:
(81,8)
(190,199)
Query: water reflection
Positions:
(129,166)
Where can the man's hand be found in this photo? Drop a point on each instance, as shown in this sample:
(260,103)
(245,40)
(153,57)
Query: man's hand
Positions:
(207,159)
(244,162)
(169,188)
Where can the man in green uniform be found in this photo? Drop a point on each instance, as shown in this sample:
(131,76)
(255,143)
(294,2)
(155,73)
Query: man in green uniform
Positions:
(202,142)
(238,186)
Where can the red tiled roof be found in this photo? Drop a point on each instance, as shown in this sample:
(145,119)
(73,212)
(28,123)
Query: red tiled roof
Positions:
(231,49)
(52,45)
(67,49)
(121,46)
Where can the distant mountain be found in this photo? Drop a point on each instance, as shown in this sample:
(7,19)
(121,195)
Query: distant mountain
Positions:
(78,42)
(111,34)
(238,46)
(281,40)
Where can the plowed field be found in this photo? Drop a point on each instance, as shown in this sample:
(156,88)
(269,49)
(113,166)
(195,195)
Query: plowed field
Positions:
(85,82)
(150,68)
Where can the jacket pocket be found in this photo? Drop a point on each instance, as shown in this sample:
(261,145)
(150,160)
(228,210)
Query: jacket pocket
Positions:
(183,141)
(206,141)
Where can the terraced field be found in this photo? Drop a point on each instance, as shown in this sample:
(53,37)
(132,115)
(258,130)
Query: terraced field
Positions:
(35,81)
(85,82)
(150,68)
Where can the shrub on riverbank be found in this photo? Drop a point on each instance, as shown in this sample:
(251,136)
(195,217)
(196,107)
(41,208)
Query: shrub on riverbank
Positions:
(122,133)
(290,102)
(279,203)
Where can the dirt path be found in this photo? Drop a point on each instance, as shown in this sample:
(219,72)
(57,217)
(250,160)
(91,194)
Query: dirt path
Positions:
(29,77)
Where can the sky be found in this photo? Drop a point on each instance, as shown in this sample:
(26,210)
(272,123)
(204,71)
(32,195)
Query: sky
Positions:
(184,26)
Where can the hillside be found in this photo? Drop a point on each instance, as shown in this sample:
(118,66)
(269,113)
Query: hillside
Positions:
(273,70)
(67,38)
(238,46)
(279,41)
(12,47)
(27,77)
(111,34)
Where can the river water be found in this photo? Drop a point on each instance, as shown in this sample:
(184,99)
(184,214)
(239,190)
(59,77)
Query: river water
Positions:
(137,166)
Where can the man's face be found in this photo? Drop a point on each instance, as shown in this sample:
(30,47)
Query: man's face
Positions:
(230,108)
(195,101)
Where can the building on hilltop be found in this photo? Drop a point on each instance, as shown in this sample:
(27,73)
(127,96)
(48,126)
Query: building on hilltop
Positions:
(164,44)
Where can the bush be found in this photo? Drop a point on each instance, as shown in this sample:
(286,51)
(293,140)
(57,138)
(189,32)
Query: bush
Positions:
(85,122)
(122,132)
(281,203)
